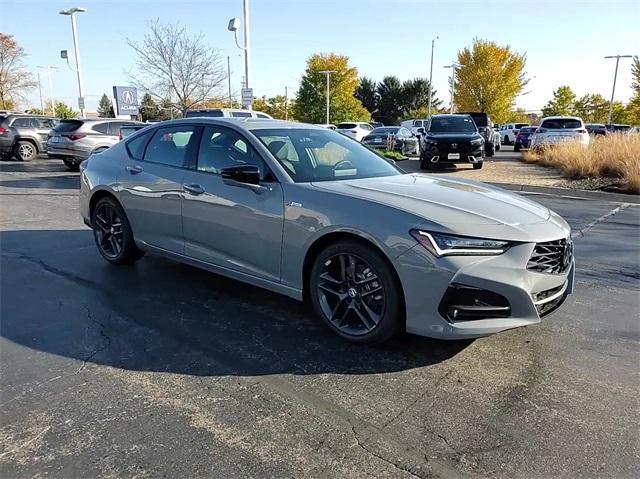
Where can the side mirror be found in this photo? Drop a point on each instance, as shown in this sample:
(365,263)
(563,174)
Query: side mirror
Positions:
(245,174)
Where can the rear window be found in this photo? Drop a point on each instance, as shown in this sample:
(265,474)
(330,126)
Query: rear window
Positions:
(101,128)
(418,124)
(479,120)
(346,126)
(240,114)
(262,115)
(520,125)
(528,129)
(561,124)
(66,126)
(207,113)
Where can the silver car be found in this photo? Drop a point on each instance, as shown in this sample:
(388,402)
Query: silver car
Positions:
(74,140)
(306,212)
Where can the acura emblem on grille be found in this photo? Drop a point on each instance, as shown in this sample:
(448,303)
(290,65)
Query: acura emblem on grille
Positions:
(454,146)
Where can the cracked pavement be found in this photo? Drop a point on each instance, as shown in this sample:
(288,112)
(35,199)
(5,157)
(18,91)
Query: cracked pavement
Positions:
(164,370)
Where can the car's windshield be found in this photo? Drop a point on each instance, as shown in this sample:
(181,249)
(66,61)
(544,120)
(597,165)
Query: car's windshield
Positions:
(346,126)
(451,124)
(386,130)
(561,124)
(322,155)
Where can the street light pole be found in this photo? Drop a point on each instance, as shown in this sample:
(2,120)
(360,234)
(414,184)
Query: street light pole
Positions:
(431,74)
(229,78)
(40,92)
(247,43)
(615,76)
(453,67)
(328,74)
(50,84)
(71,13)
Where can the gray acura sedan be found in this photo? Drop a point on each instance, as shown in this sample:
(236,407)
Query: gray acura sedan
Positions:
(311,214)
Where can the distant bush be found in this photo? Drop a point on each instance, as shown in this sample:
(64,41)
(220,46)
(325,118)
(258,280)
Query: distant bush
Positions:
(614,155)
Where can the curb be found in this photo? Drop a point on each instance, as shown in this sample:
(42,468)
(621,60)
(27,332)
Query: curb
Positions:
(570,193)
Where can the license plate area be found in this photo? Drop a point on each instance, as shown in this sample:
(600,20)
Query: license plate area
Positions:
(453,156)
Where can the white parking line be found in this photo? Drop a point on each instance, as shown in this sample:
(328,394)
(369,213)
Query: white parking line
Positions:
(613,212)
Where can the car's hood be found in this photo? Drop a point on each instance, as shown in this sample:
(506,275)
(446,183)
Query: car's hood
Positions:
(444,200)
(451,135)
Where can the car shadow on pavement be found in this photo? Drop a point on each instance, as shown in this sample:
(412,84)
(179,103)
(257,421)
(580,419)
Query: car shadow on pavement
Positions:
(58,182)
(60,297)
(41,165)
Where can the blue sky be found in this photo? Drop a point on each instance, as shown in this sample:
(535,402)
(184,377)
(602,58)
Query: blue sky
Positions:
(564,41)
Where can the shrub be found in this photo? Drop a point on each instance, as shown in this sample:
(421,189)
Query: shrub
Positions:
(614,155)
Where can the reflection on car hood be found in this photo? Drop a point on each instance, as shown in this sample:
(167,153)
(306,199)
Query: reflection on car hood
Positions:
(444,200)
(453,134)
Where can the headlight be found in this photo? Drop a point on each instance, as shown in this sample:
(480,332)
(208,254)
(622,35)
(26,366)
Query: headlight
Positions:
(441,244)
(477,142)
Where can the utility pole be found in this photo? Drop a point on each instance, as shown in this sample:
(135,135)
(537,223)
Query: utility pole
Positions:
(328,74)
(71,13)
(431,74)
(50,83)
(286,103)
(229,78)
(615,76)
(40,92)
(453,67)
(233,26)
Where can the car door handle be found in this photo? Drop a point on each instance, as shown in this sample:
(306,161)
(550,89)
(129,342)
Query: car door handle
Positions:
(193,188)
(134,170)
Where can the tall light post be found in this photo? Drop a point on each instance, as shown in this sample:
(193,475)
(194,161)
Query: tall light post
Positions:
(453,67)
(71,13)
(233,26)
(433,42)
(50,83)
(328,74)
(615,76)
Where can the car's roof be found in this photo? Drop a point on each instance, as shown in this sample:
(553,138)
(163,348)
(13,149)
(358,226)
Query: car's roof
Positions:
(449,115)
(245,123)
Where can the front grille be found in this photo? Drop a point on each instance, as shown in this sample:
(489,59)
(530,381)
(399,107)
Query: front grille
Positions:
(461,147)
(552,257)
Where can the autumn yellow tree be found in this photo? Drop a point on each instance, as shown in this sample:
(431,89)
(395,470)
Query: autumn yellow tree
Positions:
(311,98)
(488,79)
(15,80)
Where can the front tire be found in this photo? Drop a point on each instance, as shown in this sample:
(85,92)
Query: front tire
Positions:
(491,150)
(356,293)
(112,233)
(71,166)
(516,147)
(25,151)
(478,166)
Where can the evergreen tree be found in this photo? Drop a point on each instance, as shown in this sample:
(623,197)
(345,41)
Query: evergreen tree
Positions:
(105,107)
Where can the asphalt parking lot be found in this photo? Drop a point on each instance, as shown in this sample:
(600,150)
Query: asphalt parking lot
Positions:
(163,370)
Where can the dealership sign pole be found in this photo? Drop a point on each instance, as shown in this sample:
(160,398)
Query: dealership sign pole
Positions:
(71,12)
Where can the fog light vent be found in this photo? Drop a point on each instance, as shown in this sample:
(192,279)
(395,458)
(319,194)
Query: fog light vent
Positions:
(466,303)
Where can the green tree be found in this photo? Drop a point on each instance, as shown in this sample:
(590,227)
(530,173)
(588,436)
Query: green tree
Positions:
(278,106)
(61,110)
(562,103)
(635,75)
(489,78)
(592,108)
(311,97)
(517,116)
(35,111)
(149,109)
(390,100)
(105,107)
(367,94)
(415,96)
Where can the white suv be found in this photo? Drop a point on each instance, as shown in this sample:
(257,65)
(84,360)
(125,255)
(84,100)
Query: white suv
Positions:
(509,131)
(556,129)
(354,129)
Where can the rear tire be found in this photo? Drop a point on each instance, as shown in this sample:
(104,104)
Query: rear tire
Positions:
(506,139)
(516,147)
(355,292)
(478,166)
(112,233)
(25,150)
(491,150)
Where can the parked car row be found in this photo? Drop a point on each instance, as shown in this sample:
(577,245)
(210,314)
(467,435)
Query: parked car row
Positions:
(398,138)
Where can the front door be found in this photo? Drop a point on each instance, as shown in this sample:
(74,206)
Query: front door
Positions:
(232,226)
(152,185)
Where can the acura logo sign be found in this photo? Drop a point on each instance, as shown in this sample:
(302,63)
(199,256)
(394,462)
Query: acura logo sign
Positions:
(127,97)
(454,146)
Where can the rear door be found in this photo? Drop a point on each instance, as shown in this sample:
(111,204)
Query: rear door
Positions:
(151,183)
(42,128)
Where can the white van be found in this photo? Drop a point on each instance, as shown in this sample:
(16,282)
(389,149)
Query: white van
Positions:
(226,113)
(413,125)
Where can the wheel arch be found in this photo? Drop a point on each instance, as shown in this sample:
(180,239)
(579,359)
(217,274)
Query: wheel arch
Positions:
(97,196)
(319,244)
(29,140)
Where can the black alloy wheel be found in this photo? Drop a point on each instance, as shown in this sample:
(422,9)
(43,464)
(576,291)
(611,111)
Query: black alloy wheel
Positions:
(354,292)
(112,233)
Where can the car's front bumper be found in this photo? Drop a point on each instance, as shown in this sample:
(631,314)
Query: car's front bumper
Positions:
(428,282)
(469,154)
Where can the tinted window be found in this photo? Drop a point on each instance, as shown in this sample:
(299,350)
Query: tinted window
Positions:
(386,130)
(479,120)
(561,124)
(101,128)
(262,115)
(21,122)
(520,125)
(221,148)
(169,146)
(114,127)
(450,124)
(240,114)
(322,155)
(135,146)
(207,113)
(43,123)
(66,126)
(346,126)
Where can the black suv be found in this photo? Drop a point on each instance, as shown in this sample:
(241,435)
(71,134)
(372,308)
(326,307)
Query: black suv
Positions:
(485,127)
(451,139)
(24,136)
